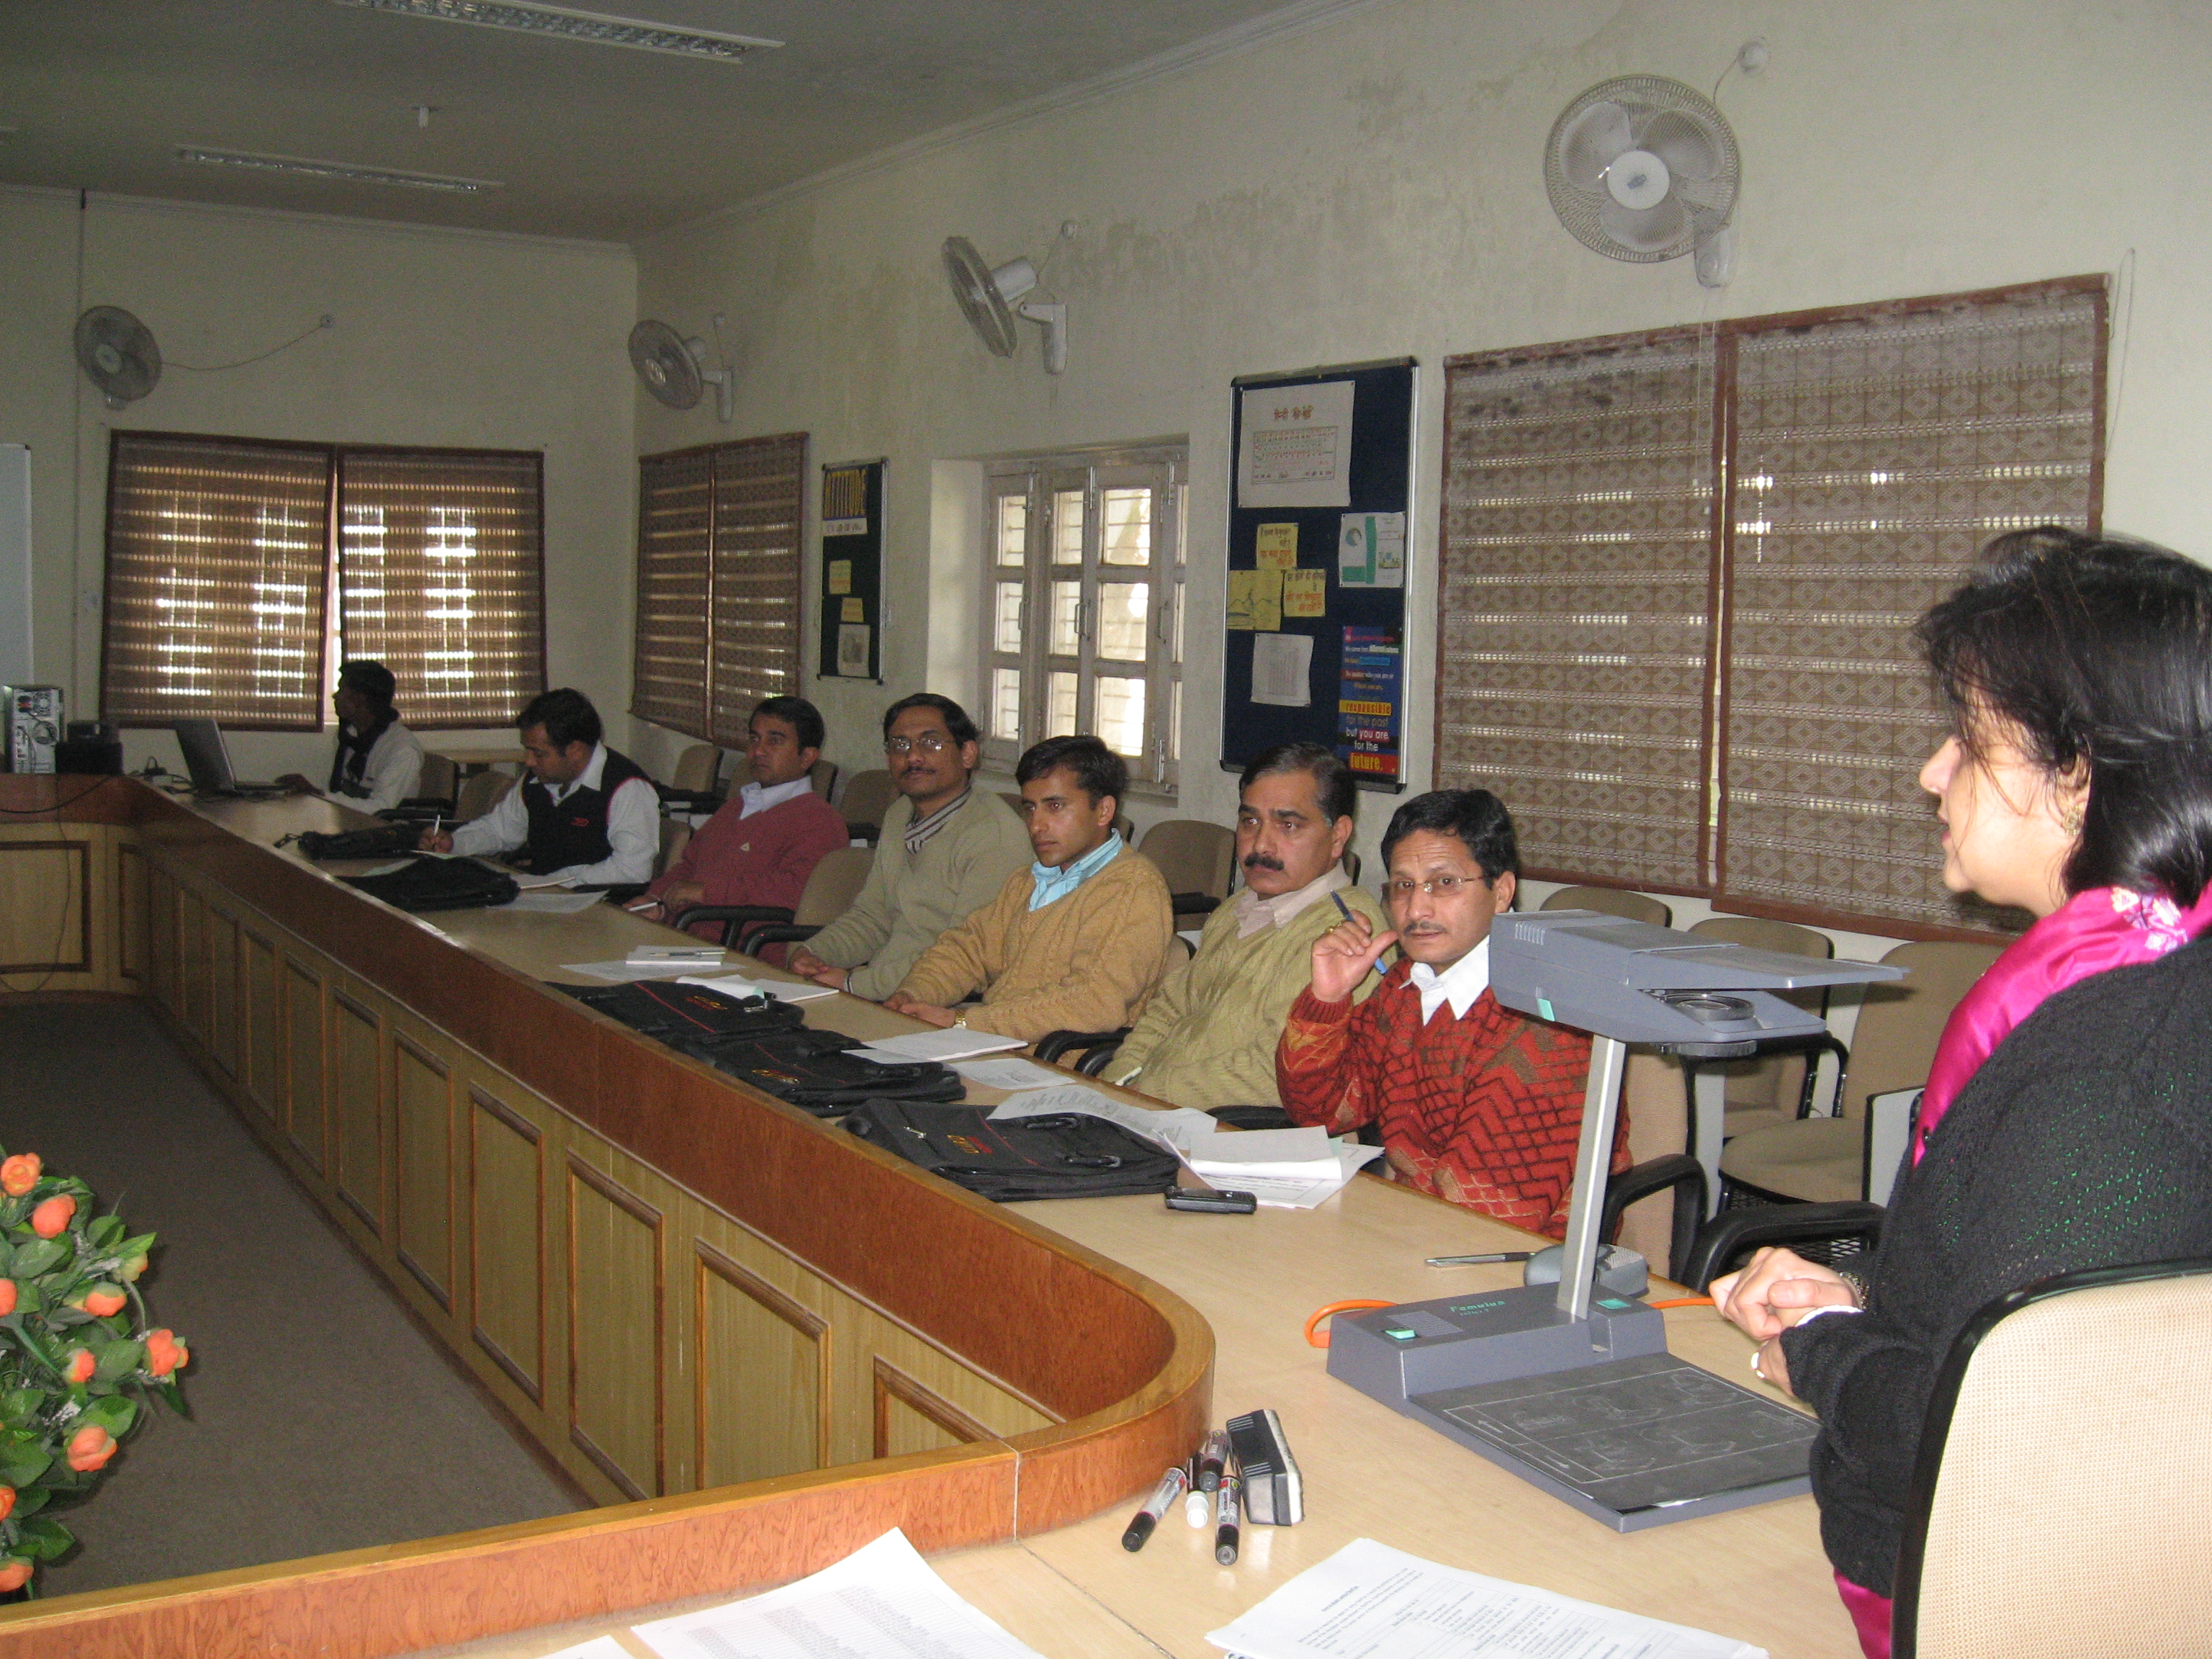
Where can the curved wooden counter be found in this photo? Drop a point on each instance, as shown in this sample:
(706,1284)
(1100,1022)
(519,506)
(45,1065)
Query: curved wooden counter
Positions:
(670,1281)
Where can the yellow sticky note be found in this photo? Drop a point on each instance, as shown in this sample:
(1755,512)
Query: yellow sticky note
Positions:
(1277,547)
(1305,592)
(840,576)
(857,609)
(1240,601)
(1267,600)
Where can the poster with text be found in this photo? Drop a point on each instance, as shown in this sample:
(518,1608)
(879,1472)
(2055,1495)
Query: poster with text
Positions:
(1295,447)
(1369,709)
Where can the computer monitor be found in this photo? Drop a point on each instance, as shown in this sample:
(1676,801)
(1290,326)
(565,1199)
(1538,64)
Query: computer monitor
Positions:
(208,760)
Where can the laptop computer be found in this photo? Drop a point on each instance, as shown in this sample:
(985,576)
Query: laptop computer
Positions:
(209,762)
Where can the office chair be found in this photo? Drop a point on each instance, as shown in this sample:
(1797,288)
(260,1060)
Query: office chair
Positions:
(1775,1087)
(828,893)
(1613,901)
(480,794)
(2058,1501)
(1196,858)
(868,795)
(675,836)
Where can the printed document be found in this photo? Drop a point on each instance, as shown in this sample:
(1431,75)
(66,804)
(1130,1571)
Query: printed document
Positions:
(1371,1602)
(952,1043)
(1179,1130)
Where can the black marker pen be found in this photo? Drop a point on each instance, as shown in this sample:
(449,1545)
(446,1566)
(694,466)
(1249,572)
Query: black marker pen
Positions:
(1212,1458)
(1172,1485)
(1224,1521)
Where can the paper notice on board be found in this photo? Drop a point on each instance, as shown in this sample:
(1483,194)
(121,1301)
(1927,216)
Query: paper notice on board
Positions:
(1370,551)
(1305,592)
(1267,600)
(1240,601)
(852,610)
(1276,545)
(840,576)
(1282,670)
(852,650)
(1294,445)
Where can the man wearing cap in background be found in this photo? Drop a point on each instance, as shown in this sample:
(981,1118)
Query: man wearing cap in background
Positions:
(378,762)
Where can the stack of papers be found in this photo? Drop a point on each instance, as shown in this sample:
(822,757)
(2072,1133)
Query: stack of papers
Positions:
(1179,1130)
(1284,1169)
(954,1042)
(737,985)
(1010,1075)
(882,1601)
(1371,1600)
(623,973)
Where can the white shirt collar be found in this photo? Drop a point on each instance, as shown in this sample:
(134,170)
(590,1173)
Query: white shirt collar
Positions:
(759,800)
(1459,984)
(594,770)
(1254,913)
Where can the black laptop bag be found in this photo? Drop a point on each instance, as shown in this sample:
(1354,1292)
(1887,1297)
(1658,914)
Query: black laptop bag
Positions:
(320,845)
(1009,1160)
(431,883)
(681,1014)
(816,1071)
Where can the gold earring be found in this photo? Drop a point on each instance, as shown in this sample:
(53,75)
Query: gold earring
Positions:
(2070,819)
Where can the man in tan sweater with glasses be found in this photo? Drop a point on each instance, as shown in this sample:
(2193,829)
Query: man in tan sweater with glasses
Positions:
(1079,941)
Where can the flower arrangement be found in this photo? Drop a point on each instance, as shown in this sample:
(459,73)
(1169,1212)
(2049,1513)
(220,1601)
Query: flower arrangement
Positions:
(74,1350)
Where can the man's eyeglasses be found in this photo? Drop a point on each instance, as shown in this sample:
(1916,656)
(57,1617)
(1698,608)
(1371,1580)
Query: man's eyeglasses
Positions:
(1435,886)
(930,743)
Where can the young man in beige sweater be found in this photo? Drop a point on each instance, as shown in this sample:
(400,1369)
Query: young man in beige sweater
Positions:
(1208,1038)
(1079,941)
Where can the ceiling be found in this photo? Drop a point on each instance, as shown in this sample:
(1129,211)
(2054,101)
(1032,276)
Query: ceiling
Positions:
(585,140)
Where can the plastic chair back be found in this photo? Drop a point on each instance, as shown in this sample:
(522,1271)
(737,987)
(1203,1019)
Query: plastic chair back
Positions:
(481,793)
(1895,1041)
(868,795)
(695,768)
(675,836)
(2058,1503)
(1191,855)
(835,883)
(1613,901)
(824,777)
(440,778)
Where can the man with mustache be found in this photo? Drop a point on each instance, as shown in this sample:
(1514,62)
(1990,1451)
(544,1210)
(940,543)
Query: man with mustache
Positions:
(945,851)
(1208,1038)
(1476,1104)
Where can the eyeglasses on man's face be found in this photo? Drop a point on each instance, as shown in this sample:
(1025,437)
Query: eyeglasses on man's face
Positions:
(930,743)
(1404,887)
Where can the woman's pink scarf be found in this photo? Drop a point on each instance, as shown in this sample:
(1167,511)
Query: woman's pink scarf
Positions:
(2104,928)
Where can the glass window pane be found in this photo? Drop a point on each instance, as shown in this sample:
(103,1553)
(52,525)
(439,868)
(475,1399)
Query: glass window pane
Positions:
(1007,704)
(1066,619)
(1014,528)
(1126,538)
(1175,653)
(1060,710)
(1120,712)
(1122,609)
(1006,629)
(1068,526)
(1175,723)
(1182,522)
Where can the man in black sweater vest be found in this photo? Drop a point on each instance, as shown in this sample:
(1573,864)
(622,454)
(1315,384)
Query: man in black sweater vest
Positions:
(585,814)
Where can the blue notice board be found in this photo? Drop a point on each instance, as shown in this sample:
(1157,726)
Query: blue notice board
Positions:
(1320,508)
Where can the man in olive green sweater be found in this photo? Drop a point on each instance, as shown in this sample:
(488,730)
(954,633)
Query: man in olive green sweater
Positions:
(1080,940)
(945,851)
(1208,1038)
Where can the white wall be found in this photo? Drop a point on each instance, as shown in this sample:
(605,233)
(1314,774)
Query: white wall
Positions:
(440,339)
(1373,188)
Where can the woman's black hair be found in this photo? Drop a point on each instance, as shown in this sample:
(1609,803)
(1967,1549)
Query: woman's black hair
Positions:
(1475,815)
(2097,654)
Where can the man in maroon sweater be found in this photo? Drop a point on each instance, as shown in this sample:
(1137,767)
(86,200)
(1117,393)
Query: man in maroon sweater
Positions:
(761,846)
(1476,1103)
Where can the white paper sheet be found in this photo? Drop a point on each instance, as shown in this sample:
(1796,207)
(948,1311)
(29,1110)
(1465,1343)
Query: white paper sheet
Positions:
(1180,1129)
(882,1601)
(1294,445)
(738,985)
(953,1042)
(1282,670)
(554,902)
(1287,1191)
(1296,1147)
(1371,1601)
(1010,1075)
(624,973)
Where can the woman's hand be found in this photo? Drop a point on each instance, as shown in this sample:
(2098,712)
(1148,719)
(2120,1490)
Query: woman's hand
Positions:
(1774,1291)
(1346,955)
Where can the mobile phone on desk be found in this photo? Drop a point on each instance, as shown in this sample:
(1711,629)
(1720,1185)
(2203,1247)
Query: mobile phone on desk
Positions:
(1207,1201)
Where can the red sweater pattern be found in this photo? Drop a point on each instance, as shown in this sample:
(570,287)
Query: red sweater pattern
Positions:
(1484,1111)
(762,860)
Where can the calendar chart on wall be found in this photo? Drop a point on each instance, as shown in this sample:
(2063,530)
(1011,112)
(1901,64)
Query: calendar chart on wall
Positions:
(1321,500)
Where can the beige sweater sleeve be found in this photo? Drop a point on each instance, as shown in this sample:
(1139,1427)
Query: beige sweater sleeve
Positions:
(1094,965)
(969,956)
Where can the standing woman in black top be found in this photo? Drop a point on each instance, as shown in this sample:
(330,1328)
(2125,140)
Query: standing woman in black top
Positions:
(2067,1122)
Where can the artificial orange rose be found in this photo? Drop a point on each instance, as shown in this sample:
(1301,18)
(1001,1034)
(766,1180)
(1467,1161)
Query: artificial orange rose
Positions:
(164,1353)
(90,1448)
(15,1573)
(19,1174)
(101,1300)
(80,1367)
(7,1501)
(7,1296)
(52,1217)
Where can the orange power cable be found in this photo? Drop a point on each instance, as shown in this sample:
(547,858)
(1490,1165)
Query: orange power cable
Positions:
(1319,1339)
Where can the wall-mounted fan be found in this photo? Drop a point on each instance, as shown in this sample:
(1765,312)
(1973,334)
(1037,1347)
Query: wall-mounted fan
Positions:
(1643,169)
(118,353)
(992,298)
(674,369)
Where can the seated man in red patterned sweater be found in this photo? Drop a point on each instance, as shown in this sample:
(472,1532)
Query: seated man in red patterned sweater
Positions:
(1476,1103)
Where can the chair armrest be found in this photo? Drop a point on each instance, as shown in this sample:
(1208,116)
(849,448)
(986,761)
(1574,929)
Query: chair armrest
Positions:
(1890,1118)
(1193,904)
(787,933)
(618,892)
(1098,1057)
(870,833)
(688,801)
(736,915)
(1675,1171)
(1252,1117)
(1732,1231)
(1053,1044)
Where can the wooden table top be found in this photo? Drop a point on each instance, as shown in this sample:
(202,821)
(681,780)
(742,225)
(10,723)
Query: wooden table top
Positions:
(1758,1575)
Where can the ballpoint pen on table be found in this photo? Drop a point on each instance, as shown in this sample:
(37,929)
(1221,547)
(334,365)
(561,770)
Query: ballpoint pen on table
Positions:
(1478,1260)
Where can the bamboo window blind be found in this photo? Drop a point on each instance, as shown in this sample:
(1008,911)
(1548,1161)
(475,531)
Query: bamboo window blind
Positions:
(719,596)
(1727,702)
(441,578)
(218,558)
